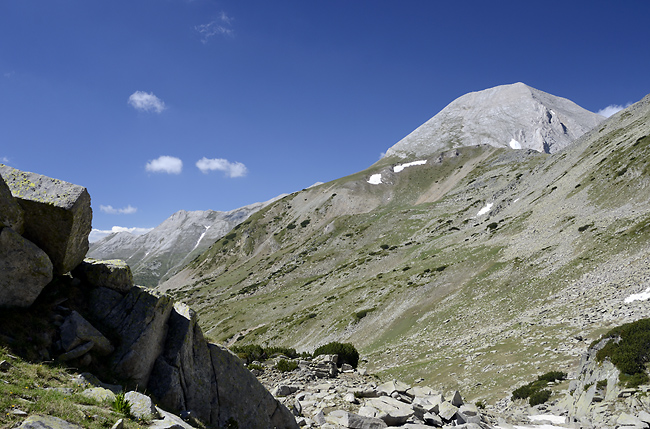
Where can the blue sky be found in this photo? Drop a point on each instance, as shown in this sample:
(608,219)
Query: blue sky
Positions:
(161,105)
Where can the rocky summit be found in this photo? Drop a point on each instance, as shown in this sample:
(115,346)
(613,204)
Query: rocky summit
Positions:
(513,116)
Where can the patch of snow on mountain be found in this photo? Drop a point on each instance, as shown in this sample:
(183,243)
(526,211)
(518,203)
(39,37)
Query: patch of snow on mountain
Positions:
(201,238)
(514,144)
(401,167)
(375,179)
(643,296)
(547,418)
(485,210)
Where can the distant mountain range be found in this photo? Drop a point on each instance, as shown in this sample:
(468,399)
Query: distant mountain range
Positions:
(173,243)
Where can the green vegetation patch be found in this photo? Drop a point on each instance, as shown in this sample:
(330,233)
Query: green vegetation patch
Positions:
(535,392)
(628,349)
(346,352)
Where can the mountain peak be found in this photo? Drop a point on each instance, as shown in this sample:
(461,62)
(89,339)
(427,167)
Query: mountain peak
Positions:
(515,116)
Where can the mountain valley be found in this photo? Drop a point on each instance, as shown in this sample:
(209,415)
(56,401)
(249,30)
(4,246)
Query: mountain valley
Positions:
(472,266)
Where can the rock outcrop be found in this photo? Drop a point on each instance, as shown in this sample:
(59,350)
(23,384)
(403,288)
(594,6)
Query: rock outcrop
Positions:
(57,215)
(141,335)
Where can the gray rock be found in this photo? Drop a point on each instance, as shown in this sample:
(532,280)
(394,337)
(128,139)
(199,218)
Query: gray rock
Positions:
(432,419)
(242,397)
(99,394)
(77,352)
(644,416)
(46,422)
(76,330)
(142,407)
(5,366)
(447,411)
(391,387)
(139,320)
(396,412)
(169,421)
(24,270)
(284,390)
(355,421)
(102,301)
(182,377)
(57,216)
(11,214)
(113,274)
(456,399)
(118,424)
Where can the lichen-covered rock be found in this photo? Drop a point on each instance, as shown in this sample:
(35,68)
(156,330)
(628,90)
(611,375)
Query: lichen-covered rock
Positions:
(142,407)
(113,274)
(11,214)
(242,398)
(57,215)
(99,394)
(24,270)
(46,422)
(182,378)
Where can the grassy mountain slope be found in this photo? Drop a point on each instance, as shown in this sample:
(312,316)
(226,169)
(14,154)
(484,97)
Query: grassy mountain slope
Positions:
(424,285)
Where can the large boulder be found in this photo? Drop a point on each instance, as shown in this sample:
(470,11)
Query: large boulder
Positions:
(242,398)
(11,214)
(57,215)
(24,270)
(113,274)
(139,320)
(182,378)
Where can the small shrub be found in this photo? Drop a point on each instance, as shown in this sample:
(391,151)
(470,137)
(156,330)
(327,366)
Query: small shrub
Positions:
(249,353)
(629,350)
(480,404)
(284,365)
(256,366)
(539,397)
(346,352)
(553,376)
(291,226)
(384,246)
(305,222)
(362,313)
(601,384)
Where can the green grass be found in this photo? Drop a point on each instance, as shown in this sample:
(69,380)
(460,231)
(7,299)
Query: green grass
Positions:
(29,387)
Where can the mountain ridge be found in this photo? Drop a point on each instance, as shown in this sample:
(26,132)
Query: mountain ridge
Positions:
(521,117)
(173,243)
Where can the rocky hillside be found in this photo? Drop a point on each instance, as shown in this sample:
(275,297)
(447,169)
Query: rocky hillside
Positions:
(474,267)
(515,116)
(65,311)
(156,255)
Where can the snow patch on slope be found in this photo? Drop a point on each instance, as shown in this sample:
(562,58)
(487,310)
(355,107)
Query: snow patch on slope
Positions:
(200,238)
(485,210)
(375,179)
(514,144)
(642,296)
(401,167)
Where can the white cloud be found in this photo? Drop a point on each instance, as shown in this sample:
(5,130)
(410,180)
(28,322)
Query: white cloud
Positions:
(220,26)
(232,169)
(111,210)
(4,160)
(165,164)
(98,234)
(147,102)
(611,109)
(9,74)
